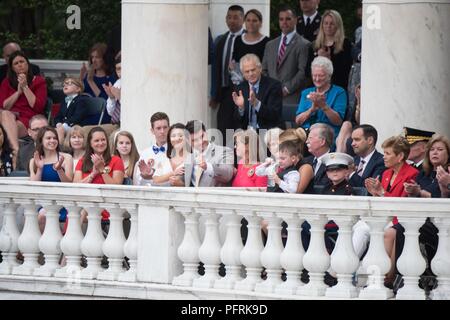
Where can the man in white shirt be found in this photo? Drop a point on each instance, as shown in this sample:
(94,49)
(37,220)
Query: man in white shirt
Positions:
(153,157)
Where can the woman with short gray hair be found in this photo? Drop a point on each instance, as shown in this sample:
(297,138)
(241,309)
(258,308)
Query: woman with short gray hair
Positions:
(323,103)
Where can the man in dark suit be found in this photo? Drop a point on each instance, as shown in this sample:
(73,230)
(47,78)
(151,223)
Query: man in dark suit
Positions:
(259,98)
(221,85)
(9,49)
(368,161)
(319,142)
(309,22)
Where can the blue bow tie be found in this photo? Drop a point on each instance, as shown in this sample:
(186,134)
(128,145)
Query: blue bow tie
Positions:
(158,149)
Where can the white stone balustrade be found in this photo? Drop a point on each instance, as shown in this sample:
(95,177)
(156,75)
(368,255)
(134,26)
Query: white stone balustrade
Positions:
(441,261)
(344,260)
(50,240)
(91,245)
(411,263)
(251,254)
(270,256)
(376,263)
(188,250)
(230,252)
(291,258)
(316,259)
(113,245)
(8,237)
(28,241)
(209,251)
(71,243)
(130,248)
(155,268)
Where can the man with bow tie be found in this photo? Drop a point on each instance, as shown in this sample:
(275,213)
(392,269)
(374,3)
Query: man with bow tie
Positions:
(153,157)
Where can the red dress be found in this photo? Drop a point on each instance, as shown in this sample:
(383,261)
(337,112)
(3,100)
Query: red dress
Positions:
(246,177)
(397,188)
(21,108)
(116,164)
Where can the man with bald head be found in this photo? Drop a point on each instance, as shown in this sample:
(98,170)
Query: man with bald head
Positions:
(9,49)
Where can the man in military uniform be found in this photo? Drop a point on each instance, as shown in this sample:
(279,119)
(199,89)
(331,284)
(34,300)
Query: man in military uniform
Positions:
(308,23)
(417,140)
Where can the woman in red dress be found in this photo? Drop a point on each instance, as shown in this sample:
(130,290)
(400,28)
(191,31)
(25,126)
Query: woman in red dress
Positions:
(22,95)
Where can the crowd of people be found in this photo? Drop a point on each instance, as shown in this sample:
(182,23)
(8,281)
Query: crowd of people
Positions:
(311,64)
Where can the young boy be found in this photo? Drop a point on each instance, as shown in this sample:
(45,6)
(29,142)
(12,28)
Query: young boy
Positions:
(113,92)
(337,164)
(288,178)
(74,108)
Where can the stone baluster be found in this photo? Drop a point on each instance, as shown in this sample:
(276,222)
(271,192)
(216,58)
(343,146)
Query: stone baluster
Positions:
(411,263)
(28,241)
(91,245)
(209,251)
(9,236)
(71,242)
(441,261)
(292,256)
(50,240)
(270,256)
(316,259)
(344,260)
(131,246)
(188,250)
(113,245)
(251,254)
(231,250)
(376,263)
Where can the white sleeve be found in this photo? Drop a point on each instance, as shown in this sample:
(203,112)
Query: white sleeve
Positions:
(290,182)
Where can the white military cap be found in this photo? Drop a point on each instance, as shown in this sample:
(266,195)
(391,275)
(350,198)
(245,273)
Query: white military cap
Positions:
(335,160)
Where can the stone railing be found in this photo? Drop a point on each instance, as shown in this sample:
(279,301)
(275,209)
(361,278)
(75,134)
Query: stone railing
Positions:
(174,229)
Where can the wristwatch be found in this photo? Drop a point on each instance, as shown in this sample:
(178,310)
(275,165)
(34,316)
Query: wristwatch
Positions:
(106,170)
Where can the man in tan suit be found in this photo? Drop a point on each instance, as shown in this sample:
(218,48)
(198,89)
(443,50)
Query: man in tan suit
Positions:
(285,57)
(211,165)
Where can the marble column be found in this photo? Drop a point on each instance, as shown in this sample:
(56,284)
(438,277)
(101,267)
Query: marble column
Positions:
(405,71)
(164,62)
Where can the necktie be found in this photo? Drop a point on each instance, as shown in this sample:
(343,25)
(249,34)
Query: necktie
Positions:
(282,50)
(157,149)
(68,100)
(360,169)
(314,164)
(226,72)
(115,118)
(308,21)
(252,112)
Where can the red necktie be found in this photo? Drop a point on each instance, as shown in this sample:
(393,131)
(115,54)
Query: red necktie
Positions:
(282,50)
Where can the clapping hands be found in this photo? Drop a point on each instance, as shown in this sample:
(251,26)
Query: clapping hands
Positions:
(58,165)
(146,168)
(98,163)
(38,160)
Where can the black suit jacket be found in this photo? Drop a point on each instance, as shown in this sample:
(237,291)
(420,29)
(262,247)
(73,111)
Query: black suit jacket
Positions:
(216,73)
(374,168)
(310,32)
(75,114)
(320,178)
(4,69)
(271,96)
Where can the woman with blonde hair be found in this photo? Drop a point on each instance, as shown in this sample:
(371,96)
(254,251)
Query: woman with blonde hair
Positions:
(75,143)
(331,43)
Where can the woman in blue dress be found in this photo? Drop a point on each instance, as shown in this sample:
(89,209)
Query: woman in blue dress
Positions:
(50,165)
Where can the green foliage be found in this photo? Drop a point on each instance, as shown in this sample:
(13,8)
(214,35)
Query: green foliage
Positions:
(347,9)
(47,36)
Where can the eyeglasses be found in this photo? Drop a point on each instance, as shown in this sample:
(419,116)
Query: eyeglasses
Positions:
(35,129)
(70,83)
